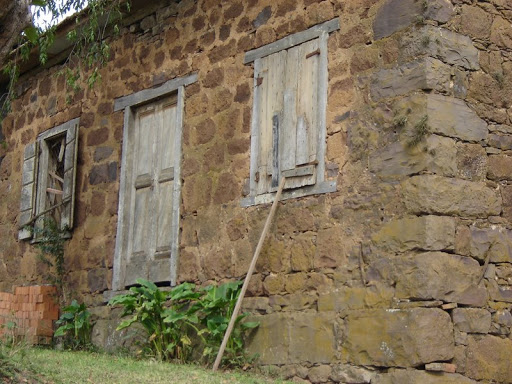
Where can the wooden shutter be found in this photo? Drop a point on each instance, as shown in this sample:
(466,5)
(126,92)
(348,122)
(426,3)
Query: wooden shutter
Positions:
(70,161)
(28,189)
(288,117)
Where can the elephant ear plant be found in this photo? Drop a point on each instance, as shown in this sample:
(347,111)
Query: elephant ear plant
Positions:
(75,326)
(217,306)
(185,322)
(168,326)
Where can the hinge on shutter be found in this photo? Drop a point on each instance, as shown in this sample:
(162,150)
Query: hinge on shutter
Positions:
(259,81)
(314,53)
(257,177)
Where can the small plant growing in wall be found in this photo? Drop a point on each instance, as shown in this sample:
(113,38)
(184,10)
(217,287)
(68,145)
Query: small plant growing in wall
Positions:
(420,130)
(500,79)
(75,326)
(50,241)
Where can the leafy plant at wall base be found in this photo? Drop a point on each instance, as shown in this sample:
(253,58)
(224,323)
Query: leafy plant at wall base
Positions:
(217,306)
(186,323)
(75,326)
(168,328)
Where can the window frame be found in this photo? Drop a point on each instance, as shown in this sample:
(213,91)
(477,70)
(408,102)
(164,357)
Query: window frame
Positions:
(129,104)
(35,172)
(320,32)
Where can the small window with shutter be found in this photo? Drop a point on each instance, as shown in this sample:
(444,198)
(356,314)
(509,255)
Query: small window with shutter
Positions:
(288,123)
(48,180)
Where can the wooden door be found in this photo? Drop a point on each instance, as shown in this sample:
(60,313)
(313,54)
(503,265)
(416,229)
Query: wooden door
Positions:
(151,188)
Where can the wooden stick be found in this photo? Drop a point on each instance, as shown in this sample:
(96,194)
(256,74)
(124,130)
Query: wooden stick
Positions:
(67,200)
(54,191)
(252,266)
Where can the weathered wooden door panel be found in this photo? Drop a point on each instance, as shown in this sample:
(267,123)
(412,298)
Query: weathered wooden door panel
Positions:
(152,189)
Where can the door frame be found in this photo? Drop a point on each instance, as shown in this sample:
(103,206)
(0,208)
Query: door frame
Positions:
(129,104)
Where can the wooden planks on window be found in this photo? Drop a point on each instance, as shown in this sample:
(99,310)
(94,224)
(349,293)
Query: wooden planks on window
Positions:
(287,117)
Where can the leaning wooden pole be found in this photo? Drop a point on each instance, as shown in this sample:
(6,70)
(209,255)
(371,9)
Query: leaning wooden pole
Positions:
(249,275)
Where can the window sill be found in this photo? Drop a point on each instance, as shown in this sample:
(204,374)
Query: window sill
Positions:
(322,187)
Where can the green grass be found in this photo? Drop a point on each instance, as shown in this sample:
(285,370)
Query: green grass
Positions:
(55,367)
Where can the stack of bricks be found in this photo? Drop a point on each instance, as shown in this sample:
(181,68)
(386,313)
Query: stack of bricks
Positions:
(29,313)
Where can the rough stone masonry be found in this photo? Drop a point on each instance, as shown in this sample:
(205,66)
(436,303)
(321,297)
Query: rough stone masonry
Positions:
(403,274)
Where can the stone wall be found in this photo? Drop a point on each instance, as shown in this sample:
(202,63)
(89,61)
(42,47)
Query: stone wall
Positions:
(401,276)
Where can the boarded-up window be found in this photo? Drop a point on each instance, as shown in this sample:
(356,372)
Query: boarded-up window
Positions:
(288,127)
(287,117)
(48,180)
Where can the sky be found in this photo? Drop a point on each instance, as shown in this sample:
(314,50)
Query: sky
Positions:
(44,19)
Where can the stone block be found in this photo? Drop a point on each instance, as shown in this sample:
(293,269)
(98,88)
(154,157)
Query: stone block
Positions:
(502,317)
(426,74)
(452,117)
(471,161)
(356,298)
(346,373)
(303,250)
(332,248)
(396,160)
(440,195)
(281,337)
(501,33)
(97,279)
(315,331)
(319,374)
(395,15)
(503,142)
(431,233)
(500,167)
(439,276)
(475,21)
(294,302)
(499,293)
(488,358)
(449,47)
(271,339)
(471,320)
(495,242)
(421,377)
(398,338)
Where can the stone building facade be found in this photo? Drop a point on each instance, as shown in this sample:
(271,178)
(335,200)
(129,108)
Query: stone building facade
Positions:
(390,260)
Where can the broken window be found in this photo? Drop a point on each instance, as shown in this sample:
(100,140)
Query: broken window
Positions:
(48,180)
(288,126)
